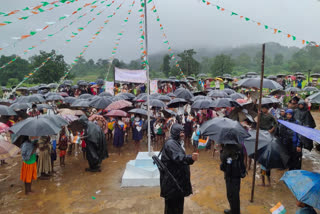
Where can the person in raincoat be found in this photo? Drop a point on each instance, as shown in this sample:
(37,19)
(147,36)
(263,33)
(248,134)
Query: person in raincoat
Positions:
(96,145)
(304,117)
(178,163)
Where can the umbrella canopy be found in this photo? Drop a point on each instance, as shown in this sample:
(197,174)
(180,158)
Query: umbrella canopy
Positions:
(268,100)
(224,131)
(281,75)
(236,96)
(85,96)
(100,121)
(6,111)
(251,73)
(54,97)
(4,127)
(274,155)
(171,95)
(223,103)
(299,74)
(183,93)
(22,89)
(255,83)
(69,100)
(272,77)
(169,113)
(66,111)
(120,104)
(35,98)
(53,85)
(100,102)
(119,97)
(56,119)
(164,98)
(156,103)
(35,126)
(5,102)
(315,98)
(229,91)
(8,150)
(105,94)
(117,113)
(20,106)
(43,106)
(201,75)
(83,83)
(100,82)
(70,118)
(315,75)
(177,102)
(201,104)
(190,78)
(63,94)
(304,185)
(200,97)
(218,94)
(264,139)
(278,92)
(310,88)
(139,111)
(81,103)
(155,95)
(128,95)
(293,89)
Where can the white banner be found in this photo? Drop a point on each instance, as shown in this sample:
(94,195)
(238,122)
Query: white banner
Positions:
(134,76)
(153,86)
(109,86)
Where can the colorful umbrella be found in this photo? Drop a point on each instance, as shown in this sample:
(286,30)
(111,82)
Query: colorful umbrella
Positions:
(4,127)
(100,121)
(7,150)
(120,104)
(117,113)
(66,111)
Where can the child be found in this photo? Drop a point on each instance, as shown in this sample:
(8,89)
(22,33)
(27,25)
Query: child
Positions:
(63,145)
(83,145)
(195,137)
(265,173)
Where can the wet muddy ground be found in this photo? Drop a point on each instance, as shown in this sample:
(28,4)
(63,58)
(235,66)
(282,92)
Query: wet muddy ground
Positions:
(72,190)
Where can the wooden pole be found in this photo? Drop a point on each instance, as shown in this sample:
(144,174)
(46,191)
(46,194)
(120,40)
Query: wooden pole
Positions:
(258,124)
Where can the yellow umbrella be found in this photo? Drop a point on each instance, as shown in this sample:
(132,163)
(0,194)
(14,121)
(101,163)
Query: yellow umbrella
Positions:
(217,78)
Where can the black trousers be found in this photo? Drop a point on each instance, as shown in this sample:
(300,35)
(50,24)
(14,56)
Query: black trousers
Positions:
(174,205)
(295,160)
(233,194)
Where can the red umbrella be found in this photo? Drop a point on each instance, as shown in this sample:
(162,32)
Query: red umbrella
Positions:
(64,94)
(117,113)
(4,127)
(118,105)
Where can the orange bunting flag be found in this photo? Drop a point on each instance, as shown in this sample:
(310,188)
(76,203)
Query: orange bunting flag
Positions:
(241,17)
(34,12)
(25,36)
(88,4)
(303,41)
(142,16)
(73,36)
(317,46)
(51,8)
(1,49)
(289,35)
(208,3)
(145,52)
(13,12)
(2,24)
(275,31)
(259,23)
(153,8)
(45,27)
(222,9)
(74,12)
(37,7)
(160,25)
(94,6)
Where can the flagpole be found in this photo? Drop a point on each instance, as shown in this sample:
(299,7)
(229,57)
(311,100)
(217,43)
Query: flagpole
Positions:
(148,78)
(258,123)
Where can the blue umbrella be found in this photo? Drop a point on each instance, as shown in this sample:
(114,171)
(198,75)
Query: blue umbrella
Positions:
(307,132)
(304,185)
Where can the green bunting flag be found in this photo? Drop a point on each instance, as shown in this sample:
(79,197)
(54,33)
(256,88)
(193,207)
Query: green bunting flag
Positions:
(233,13)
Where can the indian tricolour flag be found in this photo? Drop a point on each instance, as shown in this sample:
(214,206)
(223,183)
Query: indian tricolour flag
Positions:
(278,209)
(202,144)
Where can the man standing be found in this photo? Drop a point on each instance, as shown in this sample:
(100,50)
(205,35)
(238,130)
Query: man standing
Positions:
(267,121)
(173,156)
(232,164)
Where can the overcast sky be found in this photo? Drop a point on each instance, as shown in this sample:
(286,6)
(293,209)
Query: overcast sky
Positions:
(188,24)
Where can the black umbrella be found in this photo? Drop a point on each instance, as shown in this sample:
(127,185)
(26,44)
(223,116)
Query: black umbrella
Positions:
(6,111)
(272,77)
(128,95)
(80,103)
(35,98)
(156,103)
(281,75)
(200,97)
(255,83)
(223,103)
(264,139)
(201,75)
(22,89)
(274,155)
(169,113)
(229,91)
(44,87)
(155,95)
(201,104)
(293,89)
(138,111)
(20,106)
(56,119)
(54,97)
(236,96)
(190,78)
(35,126)
(310,88)
(5,102)
(120,97)
(172,77)
(53,85)
(218,94)
(197,93)
(268,100)
(101,102)
(164,98)
(83,84)
(278,92)
(183,93)
(34,88)
(68,82)
(315,98)
(69,100)
(42,106)
(100,82)
(171,95)
(85,96)
(301,77)
(224,131)
(298,74)
(315,75)
(74,87)
(50,94)
(251,73)
(105,94)
(177,102)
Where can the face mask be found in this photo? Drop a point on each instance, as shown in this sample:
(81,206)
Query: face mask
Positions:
(142,119)
(137,119)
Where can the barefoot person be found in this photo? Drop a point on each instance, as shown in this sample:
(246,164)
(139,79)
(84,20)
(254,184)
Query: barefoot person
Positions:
(175,159)
(29,165)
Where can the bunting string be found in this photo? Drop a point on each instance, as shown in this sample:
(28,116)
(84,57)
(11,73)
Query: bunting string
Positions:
(142,36)
(118,39)
(51,35)
(260,24)
(34,10)
(48,24)
(89,43)
(166,41)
